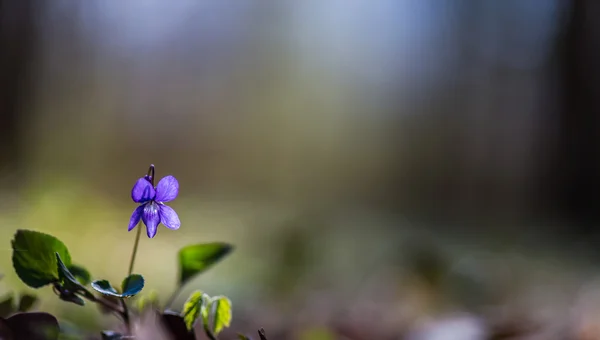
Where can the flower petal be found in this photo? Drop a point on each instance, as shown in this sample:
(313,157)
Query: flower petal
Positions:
(167,189)
(169,217)
(142,191)
(135,217)
(151,218)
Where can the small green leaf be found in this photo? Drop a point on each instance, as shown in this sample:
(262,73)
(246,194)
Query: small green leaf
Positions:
(132,285)
(7,306)
(195,259)
(34,257)
(68,285)
(221,308)
(26,302)
(81,274)
(243,337)
(192,309)
(104,287)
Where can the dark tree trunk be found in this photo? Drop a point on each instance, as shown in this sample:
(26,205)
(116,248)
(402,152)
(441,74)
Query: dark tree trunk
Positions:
(17,38)
(577,163)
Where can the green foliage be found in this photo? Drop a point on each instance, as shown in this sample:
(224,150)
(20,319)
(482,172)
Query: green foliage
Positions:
(215,312)
(221,307)
(7,305)
(132,285)
(34,257)
(81,274)
(26,302)
(192,308)
(195,259)
(68,286)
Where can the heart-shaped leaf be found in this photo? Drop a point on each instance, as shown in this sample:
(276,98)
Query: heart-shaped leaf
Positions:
(175,324)
(197,258)
(26,302)
(221,309)
(34,257)
(132,285)
(81,274)
(33,326)
(192,309)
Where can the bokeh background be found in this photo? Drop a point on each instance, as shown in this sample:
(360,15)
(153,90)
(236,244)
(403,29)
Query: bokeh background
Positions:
(384,168)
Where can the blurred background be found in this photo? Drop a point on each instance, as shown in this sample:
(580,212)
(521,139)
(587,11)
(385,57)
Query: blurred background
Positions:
(385,168)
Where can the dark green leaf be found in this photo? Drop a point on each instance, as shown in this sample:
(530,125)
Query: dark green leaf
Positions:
(221,308)
(104,287)
(192,309)
(7,305)
(34,257)
(175,324)
(27,302)
(33,326)
(81,274)
(132,285)
(195,259)
(68,286)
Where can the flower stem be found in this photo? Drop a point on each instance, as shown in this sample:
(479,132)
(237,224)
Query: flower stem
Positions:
(135,248)
(129,272)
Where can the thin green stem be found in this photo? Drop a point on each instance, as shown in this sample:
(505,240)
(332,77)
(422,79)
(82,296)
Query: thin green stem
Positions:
(135,249)
(129,272)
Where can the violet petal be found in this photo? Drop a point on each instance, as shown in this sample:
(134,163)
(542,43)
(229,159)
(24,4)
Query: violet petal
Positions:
(169,217)
(167,189)
(142,191)
(135,217)
(151,218)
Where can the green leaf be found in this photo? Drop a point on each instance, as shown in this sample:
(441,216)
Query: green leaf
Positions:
(104,287)
(243,337)
(221,308)
(132,285)
(7,306)
(34,257)
(26,302)
(81,274)
(192,309)
(68,285)
(195,259)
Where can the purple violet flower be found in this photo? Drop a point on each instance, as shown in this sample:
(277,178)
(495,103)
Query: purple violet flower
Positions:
(152,210)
